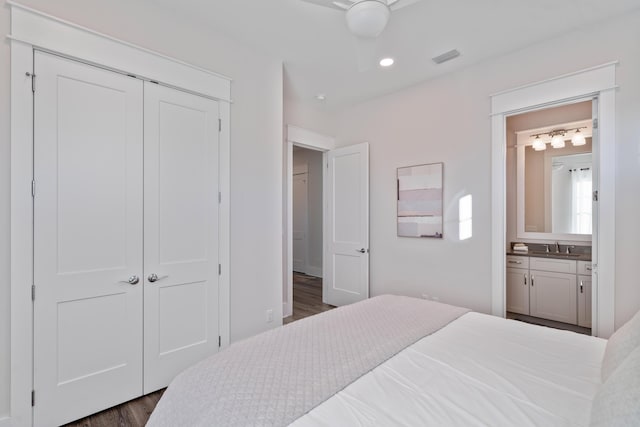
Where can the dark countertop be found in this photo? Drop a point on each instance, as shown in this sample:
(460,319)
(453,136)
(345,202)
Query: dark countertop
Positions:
(577,257)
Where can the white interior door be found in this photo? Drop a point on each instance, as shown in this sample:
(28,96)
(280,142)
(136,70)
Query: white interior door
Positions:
(300,221)
(346,269)
(180,232)
(87,239)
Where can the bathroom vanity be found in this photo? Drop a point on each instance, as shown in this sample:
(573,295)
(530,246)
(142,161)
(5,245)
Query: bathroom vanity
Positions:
(554,286)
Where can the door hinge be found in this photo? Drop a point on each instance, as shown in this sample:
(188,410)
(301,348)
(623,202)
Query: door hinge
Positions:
(33,292)
(219,125)
(33,398)
(33,188)
(219,341)
(33,80)
(595,123)
(219,269)
(595,196)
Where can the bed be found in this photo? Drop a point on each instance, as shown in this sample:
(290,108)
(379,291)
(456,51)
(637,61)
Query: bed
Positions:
(395,360)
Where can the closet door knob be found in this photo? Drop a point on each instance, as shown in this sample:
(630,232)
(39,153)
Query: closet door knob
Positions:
(132,280)
(153,277)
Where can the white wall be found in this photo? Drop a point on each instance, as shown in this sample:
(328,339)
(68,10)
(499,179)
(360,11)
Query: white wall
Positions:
(314,195)
(256,128)
(447,119)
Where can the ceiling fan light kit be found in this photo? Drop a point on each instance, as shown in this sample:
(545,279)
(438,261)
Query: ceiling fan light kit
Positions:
(368,18)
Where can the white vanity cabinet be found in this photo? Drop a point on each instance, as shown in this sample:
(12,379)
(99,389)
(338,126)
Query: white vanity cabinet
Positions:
(518,284)
(554,287)
(553,296)
(549,288)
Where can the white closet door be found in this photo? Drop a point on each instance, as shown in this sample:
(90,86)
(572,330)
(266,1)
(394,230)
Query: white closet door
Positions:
(180,232)
(87,239)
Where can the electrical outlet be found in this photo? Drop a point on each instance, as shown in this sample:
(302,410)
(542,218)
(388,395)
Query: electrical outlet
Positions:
(269,316)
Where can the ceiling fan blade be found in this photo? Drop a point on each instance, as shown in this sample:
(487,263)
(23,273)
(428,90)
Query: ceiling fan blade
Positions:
(366,52)
(341,5)
(338,4)
(399,4)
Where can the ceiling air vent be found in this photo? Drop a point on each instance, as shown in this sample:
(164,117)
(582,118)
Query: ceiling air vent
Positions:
(447,56)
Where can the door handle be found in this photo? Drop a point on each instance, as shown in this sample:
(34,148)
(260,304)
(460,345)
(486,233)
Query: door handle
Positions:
(132,280)
(361,250)
(581,287)
(153,277)
(532,280)
(525,279)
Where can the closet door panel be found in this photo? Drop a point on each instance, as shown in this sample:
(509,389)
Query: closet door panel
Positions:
(87,239)
(181,232)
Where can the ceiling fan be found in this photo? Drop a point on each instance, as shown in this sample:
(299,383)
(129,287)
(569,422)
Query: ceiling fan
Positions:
(366,20)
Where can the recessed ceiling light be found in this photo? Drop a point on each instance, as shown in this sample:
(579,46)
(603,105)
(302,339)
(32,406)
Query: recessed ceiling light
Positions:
(321,97)
(386,62)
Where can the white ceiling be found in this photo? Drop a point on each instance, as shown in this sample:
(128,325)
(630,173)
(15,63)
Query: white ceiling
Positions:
(319,54)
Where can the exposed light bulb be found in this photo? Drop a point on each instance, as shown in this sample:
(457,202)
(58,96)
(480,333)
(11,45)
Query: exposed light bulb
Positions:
(578,138)
(538,144)
(557,141)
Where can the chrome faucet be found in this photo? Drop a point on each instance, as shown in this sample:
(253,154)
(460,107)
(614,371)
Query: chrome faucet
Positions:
(546,248)
(557,247)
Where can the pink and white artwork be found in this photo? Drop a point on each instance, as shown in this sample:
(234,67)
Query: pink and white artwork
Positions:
(420,201)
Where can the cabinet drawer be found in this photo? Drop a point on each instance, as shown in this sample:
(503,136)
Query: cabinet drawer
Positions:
(584,267)
(514,261)
(552,264)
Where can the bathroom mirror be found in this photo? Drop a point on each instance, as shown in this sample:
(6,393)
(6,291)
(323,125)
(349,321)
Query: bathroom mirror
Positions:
(554,188)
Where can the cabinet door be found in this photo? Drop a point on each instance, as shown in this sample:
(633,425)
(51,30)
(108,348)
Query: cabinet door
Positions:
(554,296)
(518,290)
(584,301)
(180,232)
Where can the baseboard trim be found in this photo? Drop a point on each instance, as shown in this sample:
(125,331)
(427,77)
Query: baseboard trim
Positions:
(314,271)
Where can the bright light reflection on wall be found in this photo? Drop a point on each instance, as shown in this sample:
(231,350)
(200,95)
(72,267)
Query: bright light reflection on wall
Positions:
(465,217)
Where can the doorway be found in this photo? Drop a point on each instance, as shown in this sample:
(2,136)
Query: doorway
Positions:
(345,219)
(307,233)
(551,164)
(596,82)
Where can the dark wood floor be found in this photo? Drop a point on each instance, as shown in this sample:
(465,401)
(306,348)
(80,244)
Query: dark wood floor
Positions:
(307,297)
(307,301)
(134,413)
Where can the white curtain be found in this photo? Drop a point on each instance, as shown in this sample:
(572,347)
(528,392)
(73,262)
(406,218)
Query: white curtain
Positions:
(581,201)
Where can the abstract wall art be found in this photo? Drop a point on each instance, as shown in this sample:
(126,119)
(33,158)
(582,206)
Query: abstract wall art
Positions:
(420,200)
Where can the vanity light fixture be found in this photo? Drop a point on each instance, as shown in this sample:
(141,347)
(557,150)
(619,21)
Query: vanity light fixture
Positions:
(578,138)
(557,140)
(558,137)
(539,144)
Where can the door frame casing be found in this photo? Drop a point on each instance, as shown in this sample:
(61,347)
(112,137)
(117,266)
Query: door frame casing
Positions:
(30,30)
(597,82)
(314,141)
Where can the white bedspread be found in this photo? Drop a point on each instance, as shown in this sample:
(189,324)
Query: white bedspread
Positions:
(478,370)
